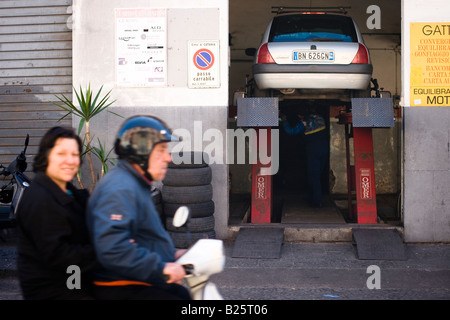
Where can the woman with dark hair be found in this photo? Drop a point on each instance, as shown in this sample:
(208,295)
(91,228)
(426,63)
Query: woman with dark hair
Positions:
(55,255)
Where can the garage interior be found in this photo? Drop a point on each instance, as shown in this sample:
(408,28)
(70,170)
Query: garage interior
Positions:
(290,204)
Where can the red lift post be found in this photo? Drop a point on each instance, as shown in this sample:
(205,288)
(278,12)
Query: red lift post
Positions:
(366,202)
(360,176)
(370,113)
(260,114)
(261,206)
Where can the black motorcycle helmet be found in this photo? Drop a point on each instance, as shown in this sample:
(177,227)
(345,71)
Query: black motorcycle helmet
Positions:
(137,137)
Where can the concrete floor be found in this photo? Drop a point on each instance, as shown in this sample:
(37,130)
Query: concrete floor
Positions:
(303,223)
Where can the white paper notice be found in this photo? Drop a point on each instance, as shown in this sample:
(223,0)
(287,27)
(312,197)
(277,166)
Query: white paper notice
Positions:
(141,47)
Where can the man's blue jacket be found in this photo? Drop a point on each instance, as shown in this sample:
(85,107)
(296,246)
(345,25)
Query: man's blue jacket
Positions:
(129,238)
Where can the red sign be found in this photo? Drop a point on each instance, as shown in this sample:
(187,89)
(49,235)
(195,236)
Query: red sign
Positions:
(203,59)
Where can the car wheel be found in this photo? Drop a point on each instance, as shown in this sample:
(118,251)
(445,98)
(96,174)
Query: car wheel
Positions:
(361,93)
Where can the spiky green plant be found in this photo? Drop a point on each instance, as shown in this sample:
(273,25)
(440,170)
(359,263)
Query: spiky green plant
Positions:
(88,108)
(104,158)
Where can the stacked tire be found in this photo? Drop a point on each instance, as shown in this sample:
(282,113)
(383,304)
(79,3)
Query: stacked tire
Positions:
(157,200)
(189,184)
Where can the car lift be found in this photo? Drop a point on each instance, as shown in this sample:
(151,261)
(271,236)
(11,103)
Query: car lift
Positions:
(360,176)
(260,114)
(261,205)
(364,114)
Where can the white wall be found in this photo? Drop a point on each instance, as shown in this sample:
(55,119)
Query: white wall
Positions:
(426,173)
(94,50)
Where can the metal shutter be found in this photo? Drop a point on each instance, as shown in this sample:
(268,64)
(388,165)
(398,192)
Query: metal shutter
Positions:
(35,65)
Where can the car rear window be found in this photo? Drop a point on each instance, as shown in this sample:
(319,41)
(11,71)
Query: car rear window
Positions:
(312,27)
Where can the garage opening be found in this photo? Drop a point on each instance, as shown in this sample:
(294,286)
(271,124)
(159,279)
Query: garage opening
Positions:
(293,201)
(290,189)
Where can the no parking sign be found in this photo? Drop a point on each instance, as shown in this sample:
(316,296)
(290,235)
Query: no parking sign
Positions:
(203,64)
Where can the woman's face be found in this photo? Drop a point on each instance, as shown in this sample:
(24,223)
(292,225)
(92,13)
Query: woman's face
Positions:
(63,161)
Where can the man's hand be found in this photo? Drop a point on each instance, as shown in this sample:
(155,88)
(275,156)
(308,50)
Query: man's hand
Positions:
(174,271)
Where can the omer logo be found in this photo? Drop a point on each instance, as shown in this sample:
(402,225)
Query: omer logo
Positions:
(261,187)
(365,184)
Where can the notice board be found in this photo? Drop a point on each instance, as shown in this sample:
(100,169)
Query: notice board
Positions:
(141,47)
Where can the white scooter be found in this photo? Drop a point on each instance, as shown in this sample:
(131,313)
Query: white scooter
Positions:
(205,258)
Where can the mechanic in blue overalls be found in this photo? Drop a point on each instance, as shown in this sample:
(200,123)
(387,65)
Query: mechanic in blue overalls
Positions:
(316,144)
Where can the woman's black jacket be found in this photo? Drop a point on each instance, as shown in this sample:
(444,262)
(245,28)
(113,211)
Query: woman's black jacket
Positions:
(53,242)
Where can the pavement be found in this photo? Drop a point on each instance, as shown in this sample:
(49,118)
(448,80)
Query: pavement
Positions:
(309,271)
(332,271)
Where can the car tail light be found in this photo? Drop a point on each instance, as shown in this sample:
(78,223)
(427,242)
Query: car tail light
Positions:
(264,55)
(362,56)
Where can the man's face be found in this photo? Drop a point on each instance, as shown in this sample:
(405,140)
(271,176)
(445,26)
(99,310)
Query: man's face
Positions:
(158,161)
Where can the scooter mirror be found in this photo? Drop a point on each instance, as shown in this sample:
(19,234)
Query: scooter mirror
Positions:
(180,217)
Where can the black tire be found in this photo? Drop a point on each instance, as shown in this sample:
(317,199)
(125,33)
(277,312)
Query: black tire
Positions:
(157,201)
(192,159)
(183,177)
(196,210)
(184,240)
(156,195)
(159,207)
(186,195)
(195,225)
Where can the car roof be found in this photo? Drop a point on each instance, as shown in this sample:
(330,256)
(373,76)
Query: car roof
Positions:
(307,16)
(311,14)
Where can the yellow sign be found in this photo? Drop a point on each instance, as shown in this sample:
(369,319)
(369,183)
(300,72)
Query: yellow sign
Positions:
(430,64)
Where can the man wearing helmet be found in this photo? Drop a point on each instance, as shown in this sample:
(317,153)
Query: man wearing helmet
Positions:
(136,252)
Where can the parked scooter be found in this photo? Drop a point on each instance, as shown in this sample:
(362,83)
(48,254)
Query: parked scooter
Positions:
(205,258)
(11,192)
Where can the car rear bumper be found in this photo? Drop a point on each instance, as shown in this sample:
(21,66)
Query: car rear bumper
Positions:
(275,76)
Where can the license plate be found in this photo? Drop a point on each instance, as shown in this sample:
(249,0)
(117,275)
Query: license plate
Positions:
(312,55)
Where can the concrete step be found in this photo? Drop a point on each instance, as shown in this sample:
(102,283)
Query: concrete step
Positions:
(314,232)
